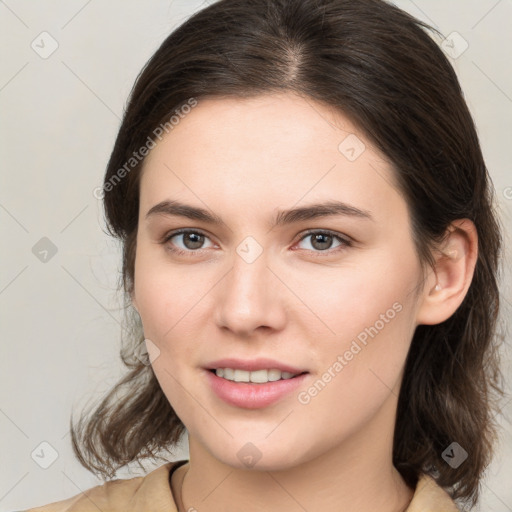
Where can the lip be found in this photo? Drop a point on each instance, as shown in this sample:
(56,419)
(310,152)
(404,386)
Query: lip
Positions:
(252,396)
(252,365)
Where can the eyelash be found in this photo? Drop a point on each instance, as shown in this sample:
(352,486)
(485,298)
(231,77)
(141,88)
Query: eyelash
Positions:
(345,242)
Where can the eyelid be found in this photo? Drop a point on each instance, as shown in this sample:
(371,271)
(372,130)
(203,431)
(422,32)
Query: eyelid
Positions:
(312,231)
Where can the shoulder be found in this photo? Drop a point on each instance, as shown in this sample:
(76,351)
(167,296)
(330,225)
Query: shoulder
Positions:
(122,495)
(430,497)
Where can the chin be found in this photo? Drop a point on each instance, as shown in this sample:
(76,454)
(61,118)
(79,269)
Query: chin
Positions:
(259,456)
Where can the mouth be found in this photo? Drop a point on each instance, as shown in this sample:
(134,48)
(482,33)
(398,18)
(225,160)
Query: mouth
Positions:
(239,391)
(254,377)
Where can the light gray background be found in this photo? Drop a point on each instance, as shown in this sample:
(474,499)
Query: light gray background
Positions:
(59,117)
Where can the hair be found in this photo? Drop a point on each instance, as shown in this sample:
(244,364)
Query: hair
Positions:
(381,68)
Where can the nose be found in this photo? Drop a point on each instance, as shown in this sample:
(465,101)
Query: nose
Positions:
(250,297)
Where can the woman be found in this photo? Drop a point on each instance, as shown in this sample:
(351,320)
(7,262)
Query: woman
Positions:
(309,240)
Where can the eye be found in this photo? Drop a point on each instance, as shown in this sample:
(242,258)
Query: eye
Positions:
(321,241)
(192,241)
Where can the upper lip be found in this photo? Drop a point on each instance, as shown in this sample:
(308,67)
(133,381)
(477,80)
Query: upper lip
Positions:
(261,363)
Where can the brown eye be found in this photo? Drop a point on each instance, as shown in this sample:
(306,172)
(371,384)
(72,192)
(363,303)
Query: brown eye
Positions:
(191,241)
(322,241)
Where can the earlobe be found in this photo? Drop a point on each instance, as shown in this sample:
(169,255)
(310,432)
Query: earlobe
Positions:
(449,282)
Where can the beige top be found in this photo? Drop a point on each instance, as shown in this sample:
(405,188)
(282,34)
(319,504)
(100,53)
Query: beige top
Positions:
(152,493)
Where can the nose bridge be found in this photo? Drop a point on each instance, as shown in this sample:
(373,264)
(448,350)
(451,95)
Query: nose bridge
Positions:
(249,295)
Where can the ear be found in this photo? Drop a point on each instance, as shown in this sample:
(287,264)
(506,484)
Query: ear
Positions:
(449,282)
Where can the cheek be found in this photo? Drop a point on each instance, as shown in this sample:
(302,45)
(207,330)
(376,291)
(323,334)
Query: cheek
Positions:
(364,295)
(164,293)
(370,313)
(360,370)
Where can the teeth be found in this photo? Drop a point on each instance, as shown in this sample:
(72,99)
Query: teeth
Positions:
(258,376)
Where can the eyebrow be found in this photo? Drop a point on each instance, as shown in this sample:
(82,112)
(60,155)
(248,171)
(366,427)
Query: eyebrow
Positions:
(283,217)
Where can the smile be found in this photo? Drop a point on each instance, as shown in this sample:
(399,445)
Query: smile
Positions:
(257,376)
(252,395)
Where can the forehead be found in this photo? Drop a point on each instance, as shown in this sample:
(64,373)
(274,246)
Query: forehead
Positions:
(275,124)
(276,149)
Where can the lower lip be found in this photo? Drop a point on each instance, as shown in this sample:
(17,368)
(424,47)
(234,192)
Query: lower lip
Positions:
(252,396)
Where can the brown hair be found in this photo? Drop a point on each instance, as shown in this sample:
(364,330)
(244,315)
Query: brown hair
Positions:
(378,66)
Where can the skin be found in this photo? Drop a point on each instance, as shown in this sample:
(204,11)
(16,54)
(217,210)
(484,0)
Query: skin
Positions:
(299,302)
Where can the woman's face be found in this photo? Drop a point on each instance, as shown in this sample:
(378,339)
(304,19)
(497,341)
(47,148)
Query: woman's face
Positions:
(331,295)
